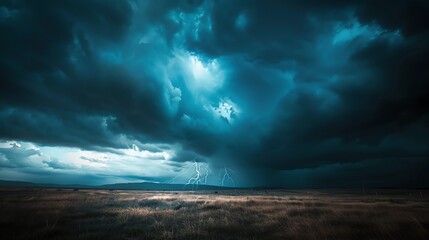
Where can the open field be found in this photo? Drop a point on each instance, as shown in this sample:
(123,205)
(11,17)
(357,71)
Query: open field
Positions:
(103,214)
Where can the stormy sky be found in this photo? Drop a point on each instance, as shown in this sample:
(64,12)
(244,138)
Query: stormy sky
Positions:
(238,93)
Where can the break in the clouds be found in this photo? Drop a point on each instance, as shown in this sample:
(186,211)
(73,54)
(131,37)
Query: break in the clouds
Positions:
(280,93)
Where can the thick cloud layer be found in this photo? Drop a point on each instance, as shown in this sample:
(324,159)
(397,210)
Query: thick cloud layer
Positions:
(280,91)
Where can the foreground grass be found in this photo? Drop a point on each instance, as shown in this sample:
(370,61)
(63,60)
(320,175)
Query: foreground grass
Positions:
(99,214)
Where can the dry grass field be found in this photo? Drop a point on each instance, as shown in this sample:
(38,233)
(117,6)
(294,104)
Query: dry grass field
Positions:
(101,214)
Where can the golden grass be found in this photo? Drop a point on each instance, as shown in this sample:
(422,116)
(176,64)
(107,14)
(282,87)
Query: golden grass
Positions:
(100,214)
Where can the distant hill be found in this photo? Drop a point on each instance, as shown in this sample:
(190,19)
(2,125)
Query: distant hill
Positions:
(160,186)
(20,184)
(117,186)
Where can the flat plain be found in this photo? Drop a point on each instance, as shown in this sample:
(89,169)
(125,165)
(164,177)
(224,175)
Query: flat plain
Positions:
(227,214)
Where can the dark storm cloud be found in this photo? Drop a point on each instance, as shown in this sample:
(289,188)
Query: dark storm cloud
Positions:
(337,111)
(316,83)
(56,87)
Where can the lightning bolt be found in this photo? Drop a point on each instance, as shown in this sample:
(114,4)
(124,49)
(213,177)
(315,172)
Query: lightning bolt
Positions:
(199,173)
(206,177)
(197,178)
(227,177)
